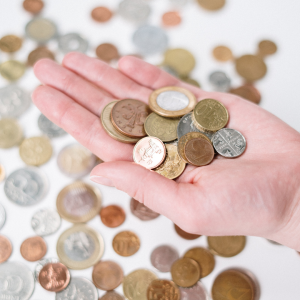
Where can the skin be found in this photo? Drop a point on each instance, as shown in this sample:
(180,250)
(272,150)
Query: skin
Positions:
(256,194)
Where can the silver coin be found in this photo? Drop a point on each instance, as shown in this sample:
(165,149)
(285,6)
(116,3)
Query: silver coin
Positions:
(163,257)
(14,101)
(16,281)
(220,81)
(72,42)
(79,288)
(229,142)
(150,40)
(172,100)
(41,264)
(49,128)
(45,222)
(41,30)
(197,292)
(26,186)
(134,10)
(169,70)
(2,216)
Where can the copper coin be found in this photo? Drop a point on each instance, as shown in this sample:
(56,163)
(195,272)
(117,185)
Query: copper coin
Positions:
(212,4)
(39,53)
(5,249)
(112,216)
(171,18)
(107,52)
(107,275)
(33,249)
(33,6)
(199,152)
(163,289)
(267,47)
(248,92)
(163,257)
(222,53)
(142,211)
(54,277)
(112,295)
(226,246)
(10,43)
(126,243)
(101,14)
(128,117)
(185,235)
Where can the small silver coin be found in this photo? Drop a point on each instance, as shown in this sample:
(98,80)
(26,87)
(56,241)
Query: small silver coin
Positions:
(14,101)
(45,222)
(172,100)
(150,40)
(197,292)
(220,81)
(135,11)
(16,281)
(41,30)
(169,70)
(26,186)
(229,142)
(163,257)
(2,216)
(41,264)
(79,288)
(72,42)
(49,128)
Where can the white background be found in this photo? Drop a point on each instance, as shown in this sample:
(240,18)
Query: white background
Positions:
(240,25)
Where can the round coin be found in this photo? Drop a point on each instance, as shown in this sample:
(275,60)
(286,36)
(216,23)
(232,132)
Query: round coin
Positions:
(10,43)
(220,81)
(163,289)
(267,47)
(171,18)
(222,53)
(226,246)
(11,134)
(12,70)
(72,42)
(134,10)
(211,4)
(196,292)
(107,275)
(112,216)
(33,6)
(39,53)
(39,266)
(2,216)
(163,257)
(5,249)
(248,92)
(126,243)
(49,128)
(142,211)
(101,14)
(112,295)
(33,249)
(107,52)
(185,235)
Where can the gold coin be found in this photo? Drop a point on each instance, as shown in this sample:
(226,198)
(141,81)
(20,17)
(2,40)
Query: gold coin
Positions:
(12,70)
(204,258)
(185,272)
(172,101)
(126,243)
(78,202)
(11,133)
(191,81)
(226,246)
(163,289)
(211,4)
(10,43)
(222,53)
(41,30)
(110,129)
(36,151)
(173,166)
(80,247)
(135,284)
(251,67)
(267,47)
(181,60)
(2,173)
(210,115)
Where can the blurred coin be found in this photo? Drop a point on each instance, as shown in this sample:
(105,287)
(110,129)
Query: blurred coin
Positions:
(12,70)
(248,92)
(196,292)
(75,161)
(134,10)
(26,186)
(39,266)
(39,53)
(150,40)
(136,283)
(11,134)
(142,211)
(191,81)
(107,52)
(220,81)
(171,18)
(49,128)
(2,216)
(18,281)
(267,47)
(163,289)
(112,216)
(80,247)
(222,53)
(112,295)
(101,14)
(5,248)
(211,4)
(72,42)
(163,257)
(185,235)
(33,6)
(33,249)
(10,43)
(226,246)
(107,275)
(126,243)
(179,3)
(2,174)
(45,222)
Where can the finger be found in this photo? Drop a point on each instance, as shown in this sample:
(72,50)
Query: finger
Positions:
(84,126)
(106,77)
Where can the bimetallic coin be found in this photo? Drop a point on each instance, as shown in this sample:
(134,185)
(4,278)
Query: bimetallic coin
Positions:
(248,92)
(134,10)
(12,70)
(41,264)
(26,186)
(163,289)
(220,81)
(112,216)
(39,53)
(11,134)
(33,249)
(163,257)
(49,128)
(222,53)
(267,47)
(229,143)
(126,243)
(196,292)
(226,246)
(142,211)
(185,235)
(171,18)
(112,295)
(107,52)
(101,14)
(211,4)
(45,222)
(33,6)
(5,249)
(72,42)
(10,43)
(2,216)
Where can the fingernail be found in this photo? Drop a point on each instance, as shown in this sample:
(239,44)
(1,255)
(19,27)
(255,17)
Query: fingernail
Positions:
(102,180)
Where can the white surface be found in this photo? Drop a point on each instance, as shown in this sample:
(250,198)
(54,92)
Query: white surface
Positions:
(240,25)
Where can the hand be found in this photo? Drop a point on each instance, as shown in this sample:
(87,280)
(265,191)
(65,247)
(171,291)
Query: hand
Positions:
(256,194)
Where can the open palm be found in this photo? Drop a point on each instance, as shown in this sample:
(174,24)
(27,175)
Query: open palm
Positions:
(255,194)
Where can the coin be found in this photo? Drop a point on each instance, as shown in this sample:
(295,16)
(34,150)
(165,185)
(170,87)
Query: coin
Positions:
(5,249)
(45,222)
(11,134)
(226,246)
(75,161)
(267,47)
(211,4)
(149,152)
(39,53)
(171,18)
(12,70)
(101,14)
(78,202)
(2,216)
(163,289)
(10,43)
(248,92)
(112,295)
(173,166)
(39,266)
(107,275)
(142,211)
(134,10)
(126,243)
(2,177)
(33,6)
(26,186)
(222,53)
(220,81)
(107,52)
(17,281)
(185,235)
(179,3)
(163,257)
(196,292)
(33,249)
(185,272)
(49,128)
(112,216)
(251,67)
(136,283)
(72,42)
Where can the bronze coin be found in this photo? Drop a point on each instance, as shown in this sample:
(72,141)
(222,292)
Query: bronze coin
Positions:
(163,289)
(54,277)
(226,246)
(5,249)
(142,211)
(33,249)
(267,47)
(222,53)
(128,116)
(10,43)
(248,92)
(199,152)
(211,4)
(185,235)
(107,52)
(33,6)
(112,295)
(39,53)
(171,18)
(101,14)
(107,275)
(126,243)
(112,216)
